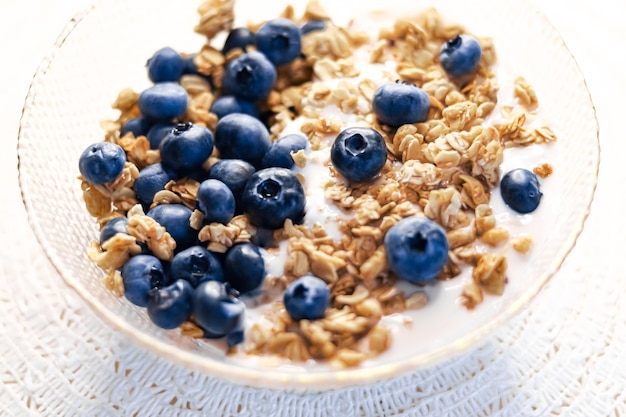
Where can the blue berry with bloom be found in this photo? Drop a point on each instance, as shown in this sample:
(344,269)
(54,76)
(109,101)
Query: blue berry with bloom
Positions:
(102,162)
(163,101)
(520,190)
(140,274)
(397,104)
(307,298)
(165,65)
(416,249)
(250,76)
(170,306)
(185,149)
(280,40)
(358,153)
(273,195)
(219,312)
(460,55)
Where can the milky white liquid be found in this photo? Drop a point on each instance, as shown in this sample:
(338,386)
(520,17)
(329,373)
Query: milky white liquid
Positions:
(444,307)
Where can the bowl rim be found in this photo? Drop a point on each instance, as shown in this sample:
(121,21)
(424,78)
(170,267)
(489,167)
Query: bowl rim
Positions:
(271,378)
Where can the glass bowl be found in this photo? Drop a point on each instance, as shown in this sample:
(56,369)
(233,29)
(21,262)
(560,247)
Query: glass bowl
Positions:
(104,50)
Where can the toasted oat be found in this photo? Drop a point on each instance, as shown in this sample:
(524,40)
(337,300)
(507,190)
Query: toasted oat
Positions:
(522,243)
(145,229)
(495,236)
(525,93)
(544,170)
(490,273)
(215,16)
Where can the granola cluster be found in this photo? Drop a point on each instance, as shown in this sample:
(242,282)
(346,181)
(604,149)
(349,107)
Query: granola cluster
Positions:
(443,168)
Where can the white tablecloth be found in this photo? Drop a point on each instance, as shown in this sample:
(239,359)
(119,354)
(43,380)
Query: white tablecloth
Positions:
(564,355)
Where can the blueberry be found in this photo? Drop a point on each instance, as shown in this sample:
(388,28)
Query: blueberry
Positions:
(520,190)
(158,132)
(165,65)
(460,55)
(102,162)
(140,274)
(175,218)
(273,195)
(185,149)
(397,104)
(139,126)
(232,104)
(163,101)
(279,154)
(240,136)
(307,298)
(113,227)
(416,248)
(235,174)
(171,306)
(216,201)
(218,312)
(250,76)
(196,265)
(358,153)
(279,40)
(313,25)
(238,38)
(190,66)
(151,180)
(244,267)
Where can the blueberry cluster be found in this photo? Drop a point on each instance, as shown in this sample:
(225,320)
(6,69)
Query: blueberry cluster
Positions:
(252,176)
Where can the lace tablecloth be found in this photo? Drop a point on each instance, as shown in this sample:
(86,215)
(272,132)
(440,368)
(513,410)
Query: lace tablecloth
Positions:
(564,355)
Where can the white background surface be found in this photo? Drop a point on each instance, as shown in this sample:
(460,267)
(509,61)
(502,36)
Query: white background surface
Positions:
(69,363)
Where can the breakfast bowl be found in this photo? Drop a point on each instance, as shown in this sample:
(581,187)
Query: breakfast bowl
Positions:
(104,50)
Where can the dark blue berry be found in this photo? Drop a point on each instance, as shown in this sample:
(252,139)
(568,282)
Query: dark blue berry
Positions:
(196,265)
(358,153)
(238,38)
(235,174)
(171,306)
(158,132)
(240,136)
(165,65)
(307,298)
(280,40)
(313,25)
(416,249)
(226,105)
(279,154)
(273,195)
(520,190)
(113,227)
(244,267)
(139,126)
(185,149)
(460,55)
(218,312)
(397,104)
(102,162)
(176,220)
(216,201)
(151,180)
(251,76)
(140,274)
(163,101)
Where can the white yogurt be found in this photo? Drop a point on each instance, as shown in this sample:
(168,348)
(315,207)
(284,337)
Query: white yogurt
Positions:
(443,295)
